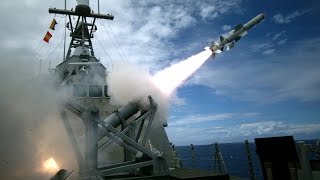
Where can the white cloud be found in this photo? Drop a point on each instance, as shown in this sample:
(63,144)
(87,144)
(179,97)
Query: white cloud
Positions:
(278,35)
(283,41)
(178,101)
(276,128)
(208,11)
(286,19)
(240,132)
(262,46)
(213,9)
(204,118)
(268,51)
(226,27)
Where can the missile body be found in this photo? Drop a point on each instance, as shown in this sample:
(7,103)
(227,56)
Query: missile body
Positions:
(234,35)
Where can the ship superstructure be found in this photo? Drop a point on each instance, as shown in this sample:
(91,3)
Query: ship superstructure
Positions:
(83,79)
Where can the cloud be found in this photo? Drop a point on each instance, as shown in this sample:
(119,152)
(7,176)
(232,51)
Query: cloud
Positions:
(268,48)
(178,101)
(283,41)
(212,9)
(208,11)
(240,132)
(262,46)
(293,76)
(278,35)
(286,19)
(226,27)
(204,118)
(277,128)
(268,51)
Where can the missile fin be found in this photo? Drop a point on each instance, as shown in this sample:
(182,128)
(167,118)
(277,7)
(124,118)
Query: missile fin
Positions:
(237,38)
(218,51)
(239,26)
(221,38)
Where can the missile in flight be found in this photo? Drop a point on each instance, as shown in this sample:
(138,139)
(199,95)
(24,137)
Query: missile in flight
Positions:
(234,35)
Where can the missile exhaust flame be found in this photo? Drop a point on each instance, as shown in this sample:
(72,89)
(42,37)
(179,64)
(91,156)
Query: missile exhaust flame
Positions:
(170,78)
(50,166)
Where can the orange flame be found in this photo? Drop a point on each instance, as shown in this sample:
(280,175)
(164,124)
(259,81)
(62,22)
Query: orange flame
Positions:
(50,166)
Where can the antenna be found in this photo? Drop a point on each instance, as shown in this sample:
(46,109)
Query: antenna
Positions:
(98,6)
(65,31)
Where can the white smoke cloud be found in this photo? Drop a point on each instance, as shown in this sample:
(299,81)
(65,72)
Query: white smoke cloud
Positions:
(30,128)
(130,83)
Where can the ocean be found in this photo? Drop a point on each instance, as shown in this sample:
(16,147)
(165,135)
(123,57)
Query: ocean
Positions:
(233,154)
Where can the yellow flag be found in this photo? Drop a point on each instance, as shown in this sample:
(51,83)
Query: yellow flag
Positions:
(53,24)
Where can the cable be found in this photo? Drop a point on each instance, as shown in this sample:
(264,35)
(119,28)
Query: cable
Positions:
(121,56)
(53,50)
(117,41)
(104,49)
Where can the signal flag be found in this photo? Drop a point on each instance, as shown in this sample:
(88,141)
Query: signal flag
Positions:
(47,37)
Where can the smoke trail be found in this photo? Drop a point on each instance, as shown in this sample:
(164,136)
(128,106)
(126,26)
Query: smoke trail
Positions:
(172,77)
(129,83)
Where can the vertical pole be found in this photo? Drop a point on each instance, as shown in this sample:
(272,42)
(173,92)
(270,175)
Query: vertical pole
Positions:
(250,166)
(65,32)
(98,6)
(82,19)
(193,157)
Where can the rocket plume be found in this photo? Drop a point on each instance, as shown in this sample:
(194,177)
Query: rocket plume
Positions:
(50,166)
(170,78)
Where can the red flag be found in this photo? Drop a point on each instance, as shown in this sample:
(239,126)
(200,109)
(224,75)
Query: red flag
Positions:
(47,37)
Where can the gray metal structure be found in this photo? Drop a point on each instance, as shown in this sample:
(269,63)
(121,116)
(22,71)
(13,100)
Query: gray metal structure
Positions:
(234,35)
(83,79)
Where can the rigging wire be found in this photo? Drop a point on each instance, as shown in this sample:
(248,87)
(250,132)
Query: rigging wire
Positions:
(117,40)
(105,51)
(54,49)
(121,56)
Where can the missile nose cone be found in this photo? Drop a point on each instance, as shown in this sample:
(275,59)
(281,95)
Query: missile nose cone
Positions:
(260,17)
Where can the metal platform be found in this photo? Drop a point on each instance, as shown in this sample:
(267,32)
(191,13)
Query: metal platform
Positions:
(179,173)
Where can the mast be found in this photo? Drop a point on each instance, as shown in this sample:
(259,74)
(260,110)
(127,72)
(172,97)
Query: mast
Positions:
(82,32)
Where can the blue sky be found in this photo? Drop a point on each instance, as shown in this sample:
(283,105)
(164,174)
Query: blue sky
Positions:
(267,85)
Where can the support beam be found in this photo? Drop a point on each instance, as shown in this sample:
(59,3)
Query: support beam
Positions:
(72,139)
(109,142)
(126,138)
(91,148)
(73,13)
